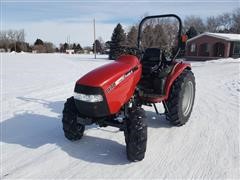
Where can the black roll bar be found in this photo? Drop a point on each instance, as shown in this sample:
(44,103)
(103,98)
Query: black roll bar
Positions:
(159,16)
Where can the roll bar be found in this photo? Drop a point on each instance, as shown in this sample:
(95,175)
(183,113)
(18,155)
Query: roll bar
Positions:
(159,16)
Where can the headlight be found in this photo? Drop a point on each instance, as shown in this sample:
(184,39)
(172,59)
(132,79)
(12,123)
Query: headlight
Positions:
(88,97)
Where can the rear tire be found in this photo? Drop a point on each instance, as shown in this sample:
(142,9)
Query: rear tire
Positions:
(181,99)
(72,130)
(136,135)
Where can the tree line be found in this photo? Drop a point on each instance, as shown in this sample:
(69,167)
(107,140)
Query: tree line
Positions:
(156,33)
(14,40)
(162,33)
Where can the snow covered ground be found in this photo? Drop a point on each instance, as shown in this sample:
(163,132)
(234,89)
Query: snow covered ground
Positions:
(35,87)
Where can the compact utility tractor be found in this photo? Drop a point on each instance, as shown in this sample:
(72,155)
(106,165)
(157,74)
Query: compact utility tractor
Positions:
(113,95)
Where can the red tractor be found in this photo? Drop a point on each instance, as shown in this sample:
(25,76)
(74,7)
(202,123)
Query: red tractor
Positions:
(113,95)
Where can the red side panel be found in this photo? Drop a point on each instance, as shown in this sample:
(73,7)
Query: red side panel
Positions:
(117,79)
(123,91)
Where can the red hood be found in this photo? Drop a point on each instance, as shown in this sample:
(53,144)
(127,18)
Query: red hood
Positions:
(109,73)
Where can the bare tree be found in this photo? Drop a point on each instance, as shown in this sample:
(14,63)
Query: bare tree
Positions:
(147,37)
(160,33)
(194,21)
(50,48)
(225,22)
(4,42)
(20,35)
(12,39)
(132,37)
(212,24)
(102,43)
(40,48)
(236,21)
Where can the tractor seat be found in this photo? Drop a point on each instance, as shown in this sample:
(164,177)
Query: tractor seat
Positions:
(152,58)
(154,73)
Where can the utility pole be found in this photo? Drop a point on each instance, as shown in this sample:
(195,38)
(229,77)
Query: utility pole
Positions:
(94,36)
(68,41)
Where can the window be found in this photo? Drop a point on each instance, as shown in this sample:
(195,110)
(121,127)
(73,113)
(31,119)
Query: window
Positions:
(193,47)
(236,49)
(204,49)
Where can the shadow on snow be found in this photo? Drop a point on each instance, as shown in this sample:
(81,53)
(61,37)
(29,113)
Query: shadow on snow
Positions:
(35,130)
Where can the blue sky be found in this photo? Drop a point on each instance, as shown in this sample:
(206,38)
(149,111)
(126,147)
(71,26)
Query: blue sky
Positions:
(54,20)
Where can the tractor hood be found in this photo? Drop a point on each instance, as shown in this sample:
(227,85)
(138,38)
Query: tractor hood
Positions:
(109,73)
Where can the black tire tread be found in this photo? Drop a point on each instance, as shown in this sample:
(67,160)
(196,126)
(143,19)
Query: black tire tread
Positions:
(136,135)
(72,130)
(174,116)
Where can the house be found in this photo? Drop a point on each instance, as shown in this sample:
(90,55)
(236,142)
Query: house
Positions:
(70,51)
(208,46)
(2,50)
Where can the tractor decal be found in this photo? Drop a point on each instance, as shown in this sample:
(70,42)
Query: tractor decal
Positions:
(121,79)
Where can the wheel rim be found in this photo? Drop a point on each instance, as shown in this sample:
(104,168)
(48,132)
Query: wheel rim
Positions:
(187,98)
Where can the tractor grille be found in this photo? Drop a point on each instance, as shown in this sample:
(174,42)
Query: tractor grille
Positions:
(91,109)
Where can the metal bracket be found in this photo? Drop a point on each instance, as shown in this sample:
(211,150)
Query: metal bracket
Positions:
(155,107)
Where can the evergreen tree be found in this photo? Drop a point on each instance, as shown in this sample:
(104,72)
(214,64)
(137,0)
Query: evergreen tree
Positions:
(38,42)
(65,46)
(39,46)
(196,22)
(78,48)
(118,39)
(192,32)
(74,46)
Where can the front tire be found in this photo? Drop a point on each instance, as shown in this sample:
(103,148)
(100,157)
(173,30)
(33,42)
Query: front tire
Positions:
(136,135)
(72,130)
(181,99)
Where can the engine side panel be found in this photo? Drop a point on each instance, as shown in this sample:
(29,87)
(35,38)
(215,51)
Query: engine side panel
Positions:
(117,80)
(121,90)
